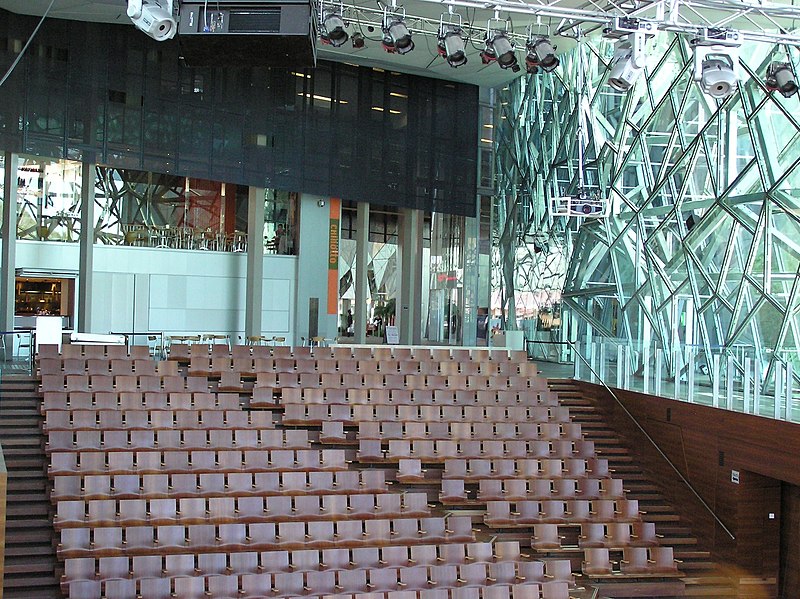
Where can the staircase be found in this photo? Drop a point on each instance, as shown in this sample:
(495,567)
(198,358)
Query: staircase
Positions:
(703,577)
(30,558)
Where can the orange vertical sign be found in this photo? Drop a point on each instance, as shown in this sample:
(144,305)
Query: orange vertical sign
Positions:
(333,256)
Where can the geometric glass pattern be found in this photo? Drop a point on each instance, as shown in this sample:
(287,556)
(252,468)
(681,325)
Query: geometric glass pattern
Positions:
(702,246)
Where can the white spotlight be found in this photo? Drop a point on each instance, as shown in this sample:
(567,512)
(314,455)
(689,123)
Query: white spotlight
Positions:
(153,17)
(781,79)
(334,29)
(716,58)
(626,65)
(451,45)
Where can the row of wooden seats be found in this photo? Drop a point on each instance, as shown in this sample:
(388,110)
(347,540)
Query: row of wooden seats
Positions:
(434,451)
(185,352)
(107,366)
(476,469)
(116,419)
(315,560)
(162,439)
(339,395)
(288,380)
(636,562)
(453,491)
(611,535)
(501,514)
(138,400)
(145,486)
(316,414)
(124,382)
(220,510)
(261,536)
(261,586)
(207,366)
(195,461)
(466,431)
(112,352)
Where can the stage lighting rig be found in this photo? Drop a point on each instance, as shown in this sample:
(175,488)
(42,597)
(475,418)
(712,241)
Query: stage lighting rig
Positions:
(780,78)
(541,54)
(153,17)
(333,26)
(716,61)
(630,54)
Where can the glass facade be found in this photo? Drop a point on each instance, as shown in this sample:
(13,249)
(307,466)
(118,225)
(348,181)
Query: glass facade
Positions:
(696,258)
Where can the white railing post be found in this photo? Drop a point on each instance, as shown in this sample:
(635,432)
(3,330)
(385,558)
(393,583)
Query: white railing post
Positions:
(676,364)
(748,408)
(776,412)
(593,361)
(757,386)
(690,373)
(715,372)
(729,382)
(603,362)
(789,398)
(658,373)
(646,370)
(626,364)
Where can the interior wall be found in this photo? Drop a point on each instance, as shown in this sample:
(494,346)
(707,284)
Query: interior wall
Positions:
(790,541)
(175,291)
(712,449)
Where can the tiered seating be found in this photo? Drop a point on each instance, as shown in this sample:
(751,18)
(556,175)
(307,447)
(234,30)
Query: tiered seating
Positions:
(165,487)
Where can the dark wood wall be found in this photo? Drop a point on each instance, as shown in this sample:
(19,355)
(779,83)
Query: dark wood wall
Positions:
(706,445)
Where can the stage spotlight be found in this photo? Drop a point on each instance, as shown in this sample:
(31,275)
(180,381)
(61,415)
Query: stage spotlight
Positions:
(545,53)
(335,32)
(625,68)
(358,40)
(153,17)
(500,48)
(781,79)
(716,57)
(451,45)
(397,37)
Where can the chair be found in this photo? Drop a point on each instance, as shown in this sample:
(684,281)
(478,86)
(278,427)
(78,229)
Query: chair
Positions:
(596,562)
(546,537)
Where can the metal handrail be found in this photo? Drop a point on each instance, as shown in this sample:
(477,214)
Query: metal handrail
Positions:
(652,441)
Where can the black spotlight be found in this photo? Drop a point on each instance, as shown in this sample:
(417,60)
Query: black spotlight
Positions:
(335,29)
(451,45)
(544,52)
(781,79)
(358,40)
(397,37)
(501,49)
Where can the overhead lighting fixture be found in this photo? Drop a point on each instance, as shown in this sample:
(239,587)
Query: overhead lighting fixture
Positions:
(334,26)
(780,78)
(396,36)
(541,54)
(451,44)
(153,17)
(358,40)
(499,48)
(716,61)
(630,54)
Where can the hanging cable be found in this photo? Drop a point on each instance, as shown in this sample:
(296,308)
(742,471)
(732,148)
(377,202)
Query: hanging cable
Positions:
(28,43)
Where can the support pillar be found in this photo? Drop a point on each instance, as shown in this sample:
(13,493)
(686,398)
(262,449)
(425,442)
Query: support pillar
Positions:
(255,262)
(9,241)
(410,301)
(86,260)
(360,315)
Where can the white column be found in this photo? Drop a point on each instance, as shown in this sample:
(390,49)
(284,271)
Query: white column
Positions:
(9,242)
(255,261)
(360,315)
(409,302)
(746,381)
(86,259)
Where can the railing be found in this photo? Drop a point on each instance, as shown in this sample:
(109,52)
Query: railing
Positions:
(17,351)
(741,378)
(597,378)
(153,339)
(3,490)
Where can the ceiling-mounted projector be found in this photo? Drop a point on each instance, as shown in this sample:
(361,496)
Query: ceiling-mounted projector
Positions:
(277,33)
(154,17)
